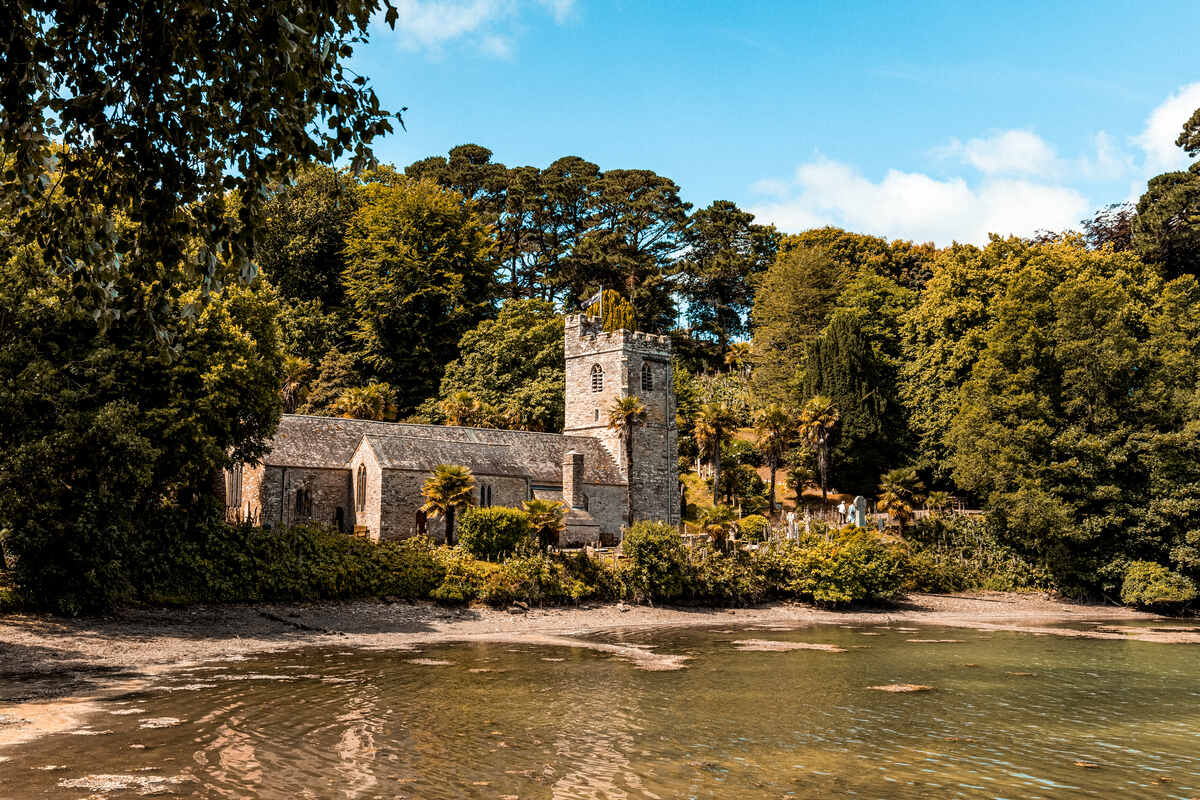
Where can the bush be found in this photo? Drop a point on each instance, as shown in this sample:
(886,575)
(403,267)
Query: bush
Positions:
(535,579)
(856,565)
(464,578)
(753,528)
(657,561)
(493,533)
(1150,585)
(955,553)
(219,563)
(725,579)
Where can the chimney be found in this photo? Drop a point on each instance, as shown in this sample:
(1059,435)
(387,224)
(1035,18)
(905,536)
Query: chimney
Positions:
(573,479)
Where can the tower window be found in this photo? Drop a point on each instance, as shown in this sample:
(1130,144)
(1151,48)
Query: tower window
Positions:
(597,413)
(597,378)
(647,377)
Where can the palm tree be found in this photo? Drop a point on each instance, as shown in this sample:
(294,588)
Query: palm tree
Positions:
(938,502)
(716,522)
(549,520)
(374,401)
(294,390)
(899,492)
(817,421)
(449,488)
(461,408)
(775,429)
(711,428)
(625,414)
(739,357)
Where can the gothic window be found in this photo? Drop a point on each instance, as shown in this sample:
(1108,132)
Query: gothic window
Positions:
(485,495)
(303,503)
(361,496)
(647,378)
(597,378)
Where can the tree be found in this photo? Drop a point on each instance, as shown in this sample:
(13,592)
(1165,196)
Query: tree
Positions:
(725,253)
(899,493)
(711,428)
(636,229)
(939,502)
(624,416)
(448,489)
(112,475)
(463,408)
(615,312)
(793,300)
(817,421)
(776,430)
(418,276)
(513,367)
(125,132)
(337,372)
(549,520)
(1111,226)
(294,391)
(374,401)
(302,243)
(1166,229)
(716,523)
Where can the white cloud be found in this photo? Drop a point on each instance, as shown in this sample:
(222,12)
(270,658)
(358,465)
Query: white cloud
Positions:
(1163,125)
(1012,152)
(432,24)
(915,206)
(1108,162)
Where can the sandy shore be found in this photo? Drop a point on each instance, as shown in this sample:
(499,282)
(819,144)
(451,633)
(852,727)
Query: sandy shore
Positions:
(43,657)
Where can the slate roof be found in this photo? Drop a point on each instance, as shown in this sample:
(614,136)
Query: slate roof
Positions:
(330,442)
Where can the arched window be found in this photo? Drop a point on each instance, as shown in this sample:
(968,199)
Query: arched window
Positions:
(597,378)
(360,497)
(647,377)
(303,503)
(485,495)
(597,411)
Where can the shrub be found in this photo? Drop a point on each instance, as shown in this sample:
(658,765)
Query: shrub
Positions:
(753,528)
(657,560)
(493,533)
(957,553)
(725,579)
(1150,585)
(536,579)
(464,578)
(856,565)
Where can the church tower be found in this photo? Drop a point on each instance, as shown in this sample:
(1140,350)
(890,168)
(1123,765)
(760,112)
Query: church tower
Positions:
(604,366)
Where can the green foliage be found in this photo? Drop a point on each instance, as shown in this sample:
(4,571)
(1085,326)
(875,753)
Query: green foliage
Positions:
(534,579)
(1166,228)
(615,312)
(464,578)
(374,401)
(1150,585)
(301,246)
(418,276)
(153,117)
(657,561)
(219,563)
(494,533)
(726,252)
(956,553)
(753,528)
(512,367)
(449,488)
(855,565)
(548,518)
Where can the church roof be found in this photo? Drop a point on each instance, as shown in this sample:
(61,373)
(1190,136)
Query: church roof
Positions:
(330,442)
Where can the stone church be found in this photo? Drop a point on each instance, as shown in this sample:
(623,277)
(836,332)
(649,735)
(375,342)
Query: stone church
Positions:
(366,477)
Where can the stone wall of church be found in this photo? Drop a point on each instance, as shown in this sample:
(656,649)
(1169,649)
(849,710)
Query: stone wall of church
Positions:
(368,515)
(327,490)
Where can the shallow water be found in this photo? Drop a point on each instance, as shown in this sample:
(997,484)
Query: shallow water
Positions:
(1010,716)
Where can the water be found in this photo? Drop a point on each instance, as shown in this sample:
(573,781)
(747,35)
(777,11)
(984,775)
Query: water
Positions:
(504,720)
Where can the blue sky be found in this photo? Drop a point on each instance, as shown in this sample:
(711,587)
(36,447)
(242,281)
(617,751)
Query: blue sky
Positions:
(930,121)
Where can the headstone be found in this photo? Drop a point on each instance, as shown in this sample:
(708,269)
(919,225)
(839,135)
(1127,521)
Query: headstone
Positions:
(860,511)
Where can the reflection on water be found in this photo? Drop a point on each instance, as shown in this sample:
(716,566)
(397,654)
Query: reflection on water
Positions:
(1011,716)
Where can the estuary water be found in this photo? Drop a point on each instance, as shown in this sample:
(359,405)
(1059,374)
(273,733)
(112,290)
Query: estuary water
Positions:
(753,713)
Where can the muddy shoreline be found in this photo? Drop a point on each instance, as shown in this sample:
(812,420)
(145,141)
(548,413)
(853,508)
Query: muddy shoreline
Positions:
(43,657)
